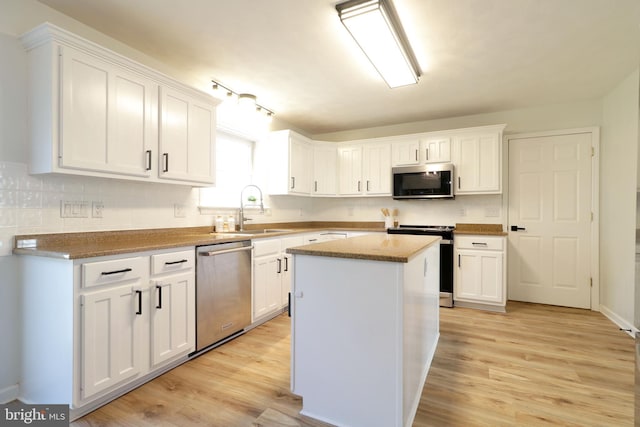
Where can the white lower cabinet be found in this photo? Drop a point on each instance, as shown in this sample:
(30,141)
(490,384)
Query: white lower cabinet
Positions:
(172,306)
(480,273)
(272,275)
(107,324)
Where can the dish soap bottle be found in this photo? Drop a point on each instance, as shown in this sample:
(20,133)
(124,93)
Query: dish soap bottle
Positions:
(231,223)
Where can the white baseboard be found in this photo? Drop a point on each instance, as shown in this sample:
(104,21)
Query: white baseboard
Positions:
(622,324)
(9,394)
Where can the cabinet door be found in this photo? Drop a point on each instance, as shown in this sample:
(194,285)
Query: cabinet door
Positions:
(267,291)
(324,171)
(377,169)
(350,170)
(299,166)
(479,276)
(436,150)
(405,153)
(110,337)
(187,138)
(287,266)
(107,117)
(173,317)
(478,164)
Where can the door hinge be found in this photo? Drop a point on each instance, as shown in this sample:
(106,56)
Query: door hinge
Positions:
(593,152)
(591,216)
(591,282)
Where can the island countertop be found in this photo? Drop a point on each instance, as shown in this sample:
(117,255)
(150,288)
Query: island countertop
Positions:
(380,247)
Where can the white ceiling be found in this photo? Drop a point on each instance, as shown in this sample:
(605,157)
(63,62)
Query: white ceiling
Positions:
(294,55)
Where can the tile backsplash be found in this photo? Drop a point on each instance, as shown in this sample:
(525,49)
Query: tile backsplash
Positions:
(32,204)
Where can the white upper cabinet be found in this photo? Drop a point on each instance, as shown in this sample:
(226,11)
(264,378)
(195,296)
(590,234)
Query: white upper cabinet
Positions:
(405,153)
(350,170)
(325,160)
(417,150)
(435,149)
(365,169)
(94,112)
(187,137)
(377,169)
(477,156)
(289,163)
(107,121)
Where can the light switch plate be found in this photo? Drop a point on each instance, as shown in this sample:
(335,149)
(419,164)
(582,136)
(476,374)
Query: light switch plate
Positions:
(74,209)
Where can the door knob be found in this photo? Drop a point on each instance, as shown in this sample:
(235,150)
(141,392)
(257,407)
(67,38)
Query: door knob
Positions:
(516,228)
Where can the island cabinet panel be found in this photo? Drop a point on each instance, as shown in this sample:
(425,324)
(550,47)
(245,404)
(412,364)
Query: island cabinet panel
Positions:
(363,336)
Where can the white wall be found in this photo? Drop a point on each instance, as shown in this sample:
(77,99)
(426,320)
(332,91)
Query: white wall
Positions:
(618,163)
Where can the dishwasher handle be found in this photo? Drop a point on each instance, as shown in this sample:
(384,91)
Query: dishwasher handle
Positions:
(225,251)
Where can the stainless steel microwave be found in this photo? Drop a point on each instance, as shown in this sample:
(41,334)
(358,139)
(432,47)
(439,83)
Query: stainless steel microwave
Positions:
(430,181)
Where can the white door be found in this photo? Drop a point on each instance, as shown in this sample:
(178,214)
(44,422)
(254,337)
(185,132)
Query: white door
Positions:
(550,204)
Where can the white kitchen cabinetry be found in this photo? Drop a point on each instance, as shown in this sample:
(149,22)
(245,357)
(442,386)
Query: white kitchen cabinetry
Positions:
(95,113)
(435,149)
(421,149)
(272,275)
(405,153)
(480,273)
(325,160)
(477,156)
(173,305)
(100,324)
(289,163)
(365,169)
(187,137)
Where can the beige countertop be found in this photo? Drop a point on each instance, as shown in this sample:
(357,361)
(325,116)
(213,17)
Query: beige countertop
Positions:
(103,243)
(480,229)
(375,247)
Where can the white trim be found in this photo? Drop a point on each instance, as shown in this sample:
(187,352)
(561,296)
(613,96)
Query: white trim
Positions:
(595,197)
(9,394)
(622,324)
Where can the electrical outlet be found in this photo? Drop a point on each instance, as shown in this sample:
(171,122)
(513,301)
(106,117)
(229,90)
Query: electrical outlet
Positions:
(462,212)
(179,210)
(96,209)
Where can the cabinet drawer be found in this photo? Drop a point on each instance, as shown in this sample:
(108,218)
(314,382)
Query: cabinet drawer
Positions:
(266,247)
(495,243)
(115,271)
(173,261)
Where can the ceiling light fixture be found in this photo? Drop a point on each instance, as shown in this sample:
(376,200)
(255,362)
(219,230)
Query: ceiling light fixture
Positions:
(375,26)
(246,101)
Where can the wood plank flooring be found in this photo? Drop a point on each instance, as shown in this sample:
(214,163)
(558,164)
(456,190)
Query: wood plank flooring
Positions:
(536,365)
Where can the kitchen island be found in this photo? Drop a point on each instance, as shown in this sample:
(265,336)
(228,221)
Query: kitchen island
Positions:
(364,327)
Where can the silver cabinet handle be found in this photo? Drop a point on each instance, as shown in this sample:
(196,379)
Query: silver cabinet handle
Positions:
(427,153)
(416,155)
(226,251)
(165,156)
(293,182)
(148,160)
(478,243)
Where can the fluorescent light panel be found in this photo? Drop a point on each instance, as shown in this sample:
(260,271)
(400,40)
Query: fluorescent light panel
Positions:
(374,26)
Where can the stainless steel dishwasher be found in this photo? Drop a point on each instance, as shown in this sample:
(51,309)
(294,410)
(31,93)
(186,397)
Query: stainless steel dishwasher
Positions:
(223,292)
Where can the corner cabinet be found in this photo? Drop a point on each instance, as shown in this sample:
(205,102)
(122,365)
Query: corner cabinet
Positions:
(480,271)
(477,156)
(108,324)
(96,113)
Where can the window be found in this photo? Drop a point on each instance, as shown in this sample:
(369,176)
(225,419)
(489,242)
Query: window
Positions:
(234,170)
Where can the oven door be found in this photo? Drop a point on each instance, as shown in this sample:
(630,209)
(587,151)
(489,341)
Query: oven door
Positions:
(423,182)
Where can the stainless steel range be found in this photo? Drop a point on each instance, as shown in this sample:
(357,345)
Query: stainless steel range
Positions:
(446,254)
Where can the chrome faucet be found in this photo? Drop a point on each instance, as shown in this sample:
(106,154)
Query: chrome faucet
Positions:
(242,219)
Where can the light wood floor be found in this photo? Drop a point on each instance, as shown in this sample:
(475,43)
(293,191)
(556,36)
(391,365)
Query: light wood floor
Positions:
(534,366)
